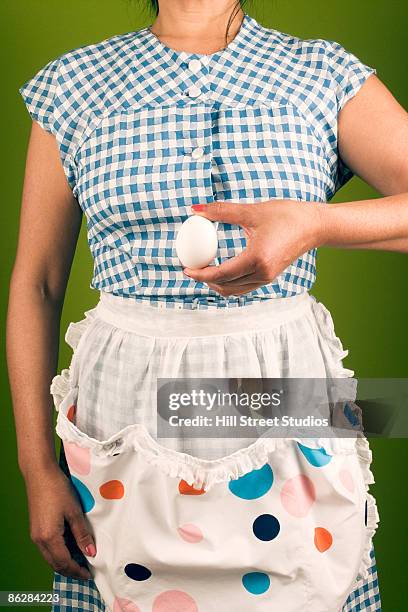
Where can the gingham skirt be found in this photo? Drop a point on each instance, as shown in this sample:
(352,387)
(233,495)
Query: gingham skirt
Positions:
(122,347)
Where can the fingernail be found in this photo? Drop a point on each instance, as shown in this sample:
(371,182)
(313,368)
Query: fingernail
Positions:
(90,550)
(198,207)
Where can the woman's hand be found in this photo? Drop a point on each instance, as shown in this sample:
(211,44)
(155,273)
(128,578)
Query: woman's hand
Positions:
(51,499)
(277,233)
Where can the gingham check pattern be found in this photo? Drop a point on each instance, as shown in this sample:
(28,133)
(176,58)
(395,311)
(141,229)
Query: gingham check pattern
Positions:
(367,595)
(139,146)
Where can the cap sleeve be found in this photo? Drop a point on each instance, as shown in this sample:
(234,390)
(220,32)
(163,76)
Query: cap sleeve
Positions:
(347,75)
(348,72)
(38,94)
(43,96)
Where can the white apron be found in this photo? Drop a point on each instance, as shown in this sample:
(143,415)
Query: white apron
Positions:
(190,525)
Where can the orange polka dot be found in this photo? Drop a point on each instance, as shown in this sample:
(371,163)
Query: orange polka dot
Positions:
(323,539)
(186,489)
(71,413)
(113,489)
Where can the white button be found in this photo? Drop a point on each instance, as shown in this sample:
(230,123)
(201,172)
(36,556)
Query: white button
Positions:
(194,65)
(197,153)
(193,91)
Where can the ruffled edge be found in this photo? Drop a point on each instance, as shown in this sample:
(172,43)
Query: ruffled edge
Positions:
(65,380)
(373,517)
(337,353)
(327,332)
(76,329)
(199,473)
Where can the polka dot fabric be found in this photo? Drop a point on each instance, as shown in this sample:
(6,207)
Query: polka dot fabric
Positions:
(84,595)
(282,524)
(241,537)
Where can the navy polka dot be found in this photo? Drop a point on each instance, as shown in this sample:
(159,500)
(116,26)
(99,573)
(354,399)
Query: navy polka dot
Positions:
(266,527)
(137,572)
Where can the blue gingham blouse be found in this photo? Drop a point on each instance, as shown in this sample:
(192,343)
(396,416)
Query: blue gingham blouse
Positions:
(145,131)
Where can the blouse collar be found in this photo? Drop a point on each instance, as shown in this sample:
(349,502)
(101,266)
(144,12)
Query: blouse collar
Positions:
(165,76)
(248,29)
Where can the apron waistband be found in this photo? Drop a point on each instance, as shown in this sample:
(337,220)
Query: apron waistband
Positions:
(146,320)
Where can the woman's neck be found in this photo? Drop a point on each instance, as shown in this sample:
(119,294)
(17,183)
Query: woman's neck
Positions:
(197,26)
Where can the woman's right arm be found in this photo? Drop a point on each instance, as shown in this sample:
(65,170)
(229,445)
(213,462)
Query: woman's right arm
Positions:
(50,222)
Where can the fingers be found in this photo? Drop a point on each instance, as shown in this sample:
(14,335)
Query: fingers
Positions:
(53,548)
(237,290)
(228,212)
(50,541)
(81,531)
(248,279)
(236,267)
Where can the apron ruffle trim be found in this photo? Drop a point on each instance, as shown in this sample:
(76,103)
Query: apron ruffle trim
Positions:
(197,472)
(372,515)
(336,353)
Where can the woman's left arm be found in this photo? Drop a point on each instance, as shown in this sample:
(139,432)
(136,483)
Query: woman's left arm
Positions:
(373,142)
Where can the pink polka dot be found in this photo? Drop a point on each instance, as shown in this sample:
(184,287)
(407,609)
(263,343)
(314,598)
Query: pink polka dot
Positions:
(346,480)
(124,605)
(190,533)
(78,458)
(174,601)
(298,495)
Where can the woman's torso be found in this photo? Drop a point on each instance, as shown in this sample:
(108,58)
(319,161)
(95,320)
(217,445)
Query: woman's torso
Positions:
(146,131)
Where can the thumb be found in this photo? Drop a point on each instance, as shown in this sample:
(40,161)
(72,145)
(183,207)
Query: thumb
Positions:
(229,212)
(81,532)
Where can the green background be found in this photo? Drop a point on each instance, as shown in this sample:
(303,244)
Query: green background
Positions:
(365,291)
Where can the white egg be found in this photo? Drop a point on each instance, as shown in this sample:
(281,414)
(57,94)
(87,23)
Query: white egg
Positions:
(196,242)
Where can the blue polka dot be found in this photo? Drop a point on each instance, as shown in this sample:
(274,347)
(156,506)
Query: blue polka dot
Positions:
(253,485)
(315,456)
(350,415)
(87,500)
(256,582)
(266,527)
(137,572)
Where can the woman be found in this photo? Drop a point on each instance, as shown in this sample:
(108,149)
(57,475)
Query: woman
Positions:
(255,132)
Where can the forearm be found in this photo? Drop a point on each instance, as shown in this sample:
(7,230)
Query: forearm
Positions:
(367,224)
(32,354)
